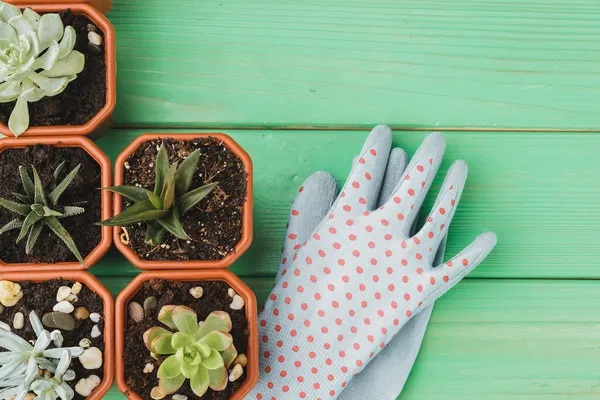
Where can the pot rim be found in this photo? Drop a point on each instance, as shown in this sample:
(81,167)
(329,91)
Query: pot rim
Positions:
(201,275)
(106,199)
(247,220)
(93,283)
(110,60)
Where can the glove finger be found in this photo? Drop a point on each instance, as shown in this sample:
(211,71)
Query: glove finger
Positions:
(361,190)
(406,201)
(313,200)
(393,173)
(437,223)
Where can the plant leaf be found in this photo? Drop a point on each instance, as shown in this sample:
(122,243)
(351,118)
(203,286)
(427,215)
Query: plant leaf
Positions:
(229,355)
(217,379)
(168,192)
(133,193)
(70,211)
(172,223)
(152,334)
(30,219)
(27,182)
(189,370)
(58,191)
(185,173)
(154,199)
(165,316)
(217,340)
(48,212)
(162,167)
(139,212)
(18,122)
(154,235)
(216,321)
(185,319)
(170,386)
(39,196)
(162,344)
(22,197)
(199,382)
(17,208)
(13,224)
(213,361)
(57,171)
(170,368)
(34,233)
(180,340)
(193,197)
(69,65)
(50,28)
(62,233)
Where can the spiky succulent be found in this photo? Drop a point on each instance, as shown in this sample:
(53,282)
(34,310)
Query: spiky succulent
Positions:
(36,209)
(36,60)
(161,209)
(199,353)
(20,363)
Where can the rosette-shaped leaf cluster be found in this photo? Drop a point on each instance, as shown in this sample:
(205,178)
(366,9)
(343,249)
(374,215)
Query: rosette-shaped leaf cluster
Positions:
(36,60)
(201,353)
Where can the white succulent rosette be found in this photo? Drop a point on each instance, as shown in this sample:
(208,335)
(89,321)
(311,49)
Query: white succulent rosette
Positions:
(37,60)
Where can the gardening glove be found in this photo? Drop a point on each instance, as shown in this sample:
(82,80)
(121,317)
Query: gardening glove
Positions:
(360,277)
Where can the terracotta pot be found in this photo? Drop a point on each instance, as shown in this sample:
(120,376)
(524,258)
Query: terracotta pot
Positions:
(208,275)
(240,248)
(110,59)
(103,6)
(106,199)
(90,281)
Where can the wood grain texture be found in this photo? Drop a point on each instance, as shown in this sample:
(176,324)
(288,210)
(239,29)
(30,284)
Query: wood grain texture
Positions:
(539,192)
(441,63)
(499,339)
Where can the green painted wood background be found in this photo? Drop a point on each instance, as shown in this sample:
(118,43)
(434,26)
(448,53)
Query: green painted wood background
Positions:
(514,83)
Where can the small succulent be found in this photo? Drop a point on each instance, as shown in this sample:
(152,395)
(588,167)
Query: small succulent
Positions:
(36,60)
(199,353)
(36,209)
(19,365)
(161,209)
(56,386)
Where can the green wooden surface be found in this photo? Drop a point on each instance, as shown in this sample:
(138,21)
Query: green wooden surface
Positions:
(440,63)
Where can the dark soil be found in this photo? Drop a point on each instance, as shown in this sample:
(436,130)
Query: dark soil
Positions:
(215,298)
(49,248)
(84,97)
(41,297)
(215,224)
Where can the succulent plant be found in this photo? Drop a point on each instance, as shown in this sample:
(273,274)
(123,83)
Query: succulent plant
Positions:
(36,60)
(161,209)
(201,354)
(56,386)
(20,362)
(36,209)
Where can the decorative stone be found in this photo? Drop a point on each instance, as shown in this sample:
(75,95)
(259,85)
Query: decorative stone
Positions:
(237,302)
(95,331)
(85,343)
(91,358)
(150,305)
(148,368)
(156,393)
(94,38)
(241,359)
(197,292)
(10,293)
(235,373)
(91,28)
(136,312)
(72,298)
(81,313)
(230,292)
(86,386)
(5,326)
(59,320)
(95,317)
(77,286)
(19,321)
(63,293)
(179,397)
(64,307)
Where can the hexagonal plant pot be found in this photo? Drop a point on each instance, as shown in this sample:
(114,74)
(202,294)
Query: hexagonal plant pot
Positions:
(40,292)
(182,288)
(101,121)
(42,260)
(135,166)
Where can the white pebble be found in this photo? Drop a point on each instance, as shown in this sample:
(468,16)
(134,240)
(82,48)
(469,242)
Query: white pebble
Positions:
(136,311)
(19,321)
(197,292)
(63,293)
(95,317)
(96,331)
(72,298)
(235,373)
(179,397)
(237,303)
(76,288)
(85,343)
(148,368)
(5,326)
(91,358)
(64,307)
(94,38)
(231,292)
(86,386)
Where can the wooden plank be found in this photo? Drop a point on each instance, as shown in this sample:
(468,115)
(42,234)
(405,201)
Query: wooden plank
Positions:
(442,63)
(501,339)
(538,192)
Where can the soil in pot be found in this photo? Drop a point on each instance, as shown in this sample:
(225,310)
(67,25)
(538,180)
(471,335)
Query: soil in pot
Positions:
(41,297)
(215,297)
(84,188)
(215,224)
(85,96)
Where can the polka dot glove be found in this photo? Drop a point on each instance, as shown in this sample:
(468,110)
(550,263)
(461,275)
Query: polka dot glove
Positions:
(341,296)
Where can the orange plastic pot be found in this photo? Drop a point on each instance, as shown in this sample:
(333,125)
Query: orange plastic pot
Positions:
(111,76)
(215,275)
(106,199)
(90,281)
(240,248)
